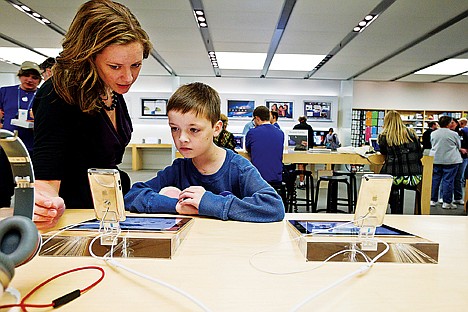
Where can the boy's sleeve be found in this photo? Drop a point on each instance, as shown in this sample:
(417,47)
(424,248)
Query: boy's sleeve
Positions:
(257,202)
(144,196)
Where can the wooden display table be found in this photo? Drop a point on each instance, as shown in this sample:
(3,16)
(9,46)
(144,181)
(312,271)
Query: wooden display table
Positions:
(213,265)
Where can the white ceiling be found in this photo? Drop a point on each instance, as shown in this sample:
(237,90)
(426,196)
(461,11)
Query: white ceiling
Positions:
(315,27)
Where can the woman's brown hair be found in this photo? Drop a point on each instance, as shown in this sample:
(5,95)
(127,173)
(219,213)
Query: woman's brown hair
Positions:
(97,25)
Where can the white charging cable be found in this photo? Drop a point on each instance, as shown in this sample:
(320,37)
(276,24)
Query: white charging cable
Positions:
(109,259)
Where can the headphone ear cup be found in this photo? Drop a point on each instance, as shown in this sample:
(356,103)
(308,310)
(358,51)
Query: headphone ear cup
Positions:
(7,271)
(19,239)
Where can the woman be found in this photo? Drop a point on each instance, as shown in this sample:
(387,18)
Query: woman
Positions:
(225,138)
(81,119)
(403,154)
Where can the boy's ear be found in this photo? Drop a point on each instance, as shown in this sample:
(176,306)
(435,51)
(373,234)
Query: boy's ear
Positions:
(217,128)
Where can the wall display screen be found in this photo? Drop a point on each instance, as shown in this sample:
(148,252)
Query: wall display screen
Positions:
(153,107)
(317,110)
(284,108)
(240,108)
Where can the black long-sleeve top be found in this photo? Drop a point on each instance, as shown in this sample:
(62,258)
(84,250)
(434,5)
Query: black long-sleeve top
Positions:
(67,142)
(401,160)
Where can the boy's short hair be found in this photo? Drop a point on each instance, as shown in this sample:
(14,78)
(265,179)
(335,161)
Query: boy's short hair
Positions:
(262,112)
(196,97)
(302,118)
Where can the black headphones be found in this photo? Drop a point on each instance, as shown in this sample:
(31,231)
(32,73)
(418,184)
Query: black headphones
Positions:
(19,239)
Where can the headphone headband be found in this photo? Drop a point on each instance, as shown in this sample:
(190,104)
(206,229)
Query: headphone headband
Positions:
(23,173)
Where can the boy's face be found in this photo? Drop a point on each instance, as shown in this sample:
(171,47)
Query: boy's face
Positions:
(192,135)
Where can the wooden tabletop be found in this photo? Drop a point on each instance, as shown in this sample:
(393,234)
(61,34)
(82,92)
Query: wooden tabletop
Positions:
(212,264)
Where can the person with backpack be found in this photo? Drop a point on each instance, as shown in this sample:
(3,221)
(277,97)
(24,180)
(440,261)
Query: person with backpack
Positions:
(331,140)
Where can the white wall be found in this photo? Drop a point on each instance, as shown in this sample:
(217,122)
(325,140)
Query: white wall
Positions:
(255,89)
(410,95)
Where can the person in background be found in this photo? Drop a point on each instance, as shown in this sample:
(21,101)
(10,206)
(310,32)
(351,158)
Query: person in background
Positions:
(225,138)
(248,126)
(81,119)
(210,180)
(331,140)
(460,177)
(446,151)
(426,137)
(303,125)
(46,68)
(274,119)
(403,154)
(12,99)
(265,144)
(464,132)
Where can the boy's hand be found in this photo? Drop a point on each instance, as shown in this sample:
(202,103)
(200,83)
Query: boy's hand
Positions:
(185,209)
(192,196)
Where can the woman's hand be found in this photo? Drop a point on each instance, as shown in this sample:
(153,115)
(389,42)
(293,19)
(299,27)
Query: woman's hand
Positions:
(49,207)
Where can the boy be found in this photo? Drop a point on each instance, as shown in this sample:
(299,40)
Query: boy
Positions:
(215,182)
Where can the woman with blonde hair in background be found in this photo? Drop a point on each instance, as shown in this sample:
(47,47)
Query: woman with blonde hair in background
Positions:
(81,118)
(403,154)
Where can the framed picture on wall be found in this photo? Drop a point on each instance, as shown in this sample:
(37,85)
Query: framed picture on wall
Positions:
(318,110)
(153,107)
(240,108)
(284,108)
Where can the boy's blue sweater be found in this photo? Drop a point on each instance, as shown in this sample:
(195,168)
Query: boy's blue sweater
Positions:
(252,199)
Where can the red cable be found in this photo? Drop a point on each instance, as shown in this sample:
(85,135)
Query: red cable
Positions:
(24,305)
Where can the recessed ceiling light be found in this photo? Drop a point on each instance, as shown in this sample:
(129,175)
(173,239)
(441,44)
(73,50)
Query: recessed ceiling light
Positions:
(241,60)
(448,67)
(19,55)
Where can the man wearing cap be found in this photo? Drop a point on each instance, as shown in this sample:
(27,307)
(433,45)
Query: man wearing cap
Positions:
(12,99)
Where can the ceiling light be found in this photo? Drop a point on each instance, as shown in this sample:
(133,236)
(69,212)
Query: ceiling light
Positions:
(19,55)
(35,15)
(365,22)
(448,68)
(241,60)
(200,18)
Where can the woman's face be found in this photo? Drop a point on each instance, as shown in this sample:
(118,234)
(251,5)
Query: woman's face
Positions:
(119,65)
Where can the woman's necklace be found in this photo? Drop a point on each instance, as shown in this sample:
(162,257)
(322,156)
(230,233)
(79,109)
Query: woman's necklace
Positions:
(113,104)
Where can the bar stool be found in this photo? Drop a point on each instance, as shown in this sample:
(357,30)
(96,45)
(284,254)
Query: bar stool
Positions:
(399,190)
(280,188)
(333,201)
(294,201)
(352,182)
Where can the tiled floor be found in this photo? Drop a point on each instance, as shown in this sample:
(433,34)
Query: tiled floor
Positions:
(144,175)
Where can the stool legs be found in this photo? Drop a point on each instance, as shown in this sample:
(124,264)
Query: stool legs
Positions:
(333,201)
